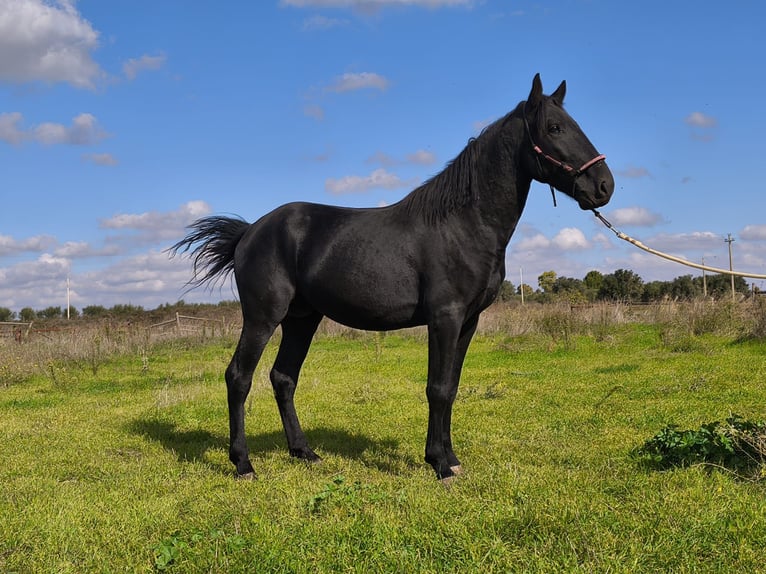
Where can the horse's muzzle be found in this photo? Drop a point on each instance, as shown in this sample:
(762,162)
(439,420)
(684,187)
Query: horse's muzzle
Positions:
(598,195)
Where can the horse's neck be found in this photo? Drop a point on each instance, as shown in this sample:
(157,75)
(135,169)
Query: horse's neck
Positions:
(503,194)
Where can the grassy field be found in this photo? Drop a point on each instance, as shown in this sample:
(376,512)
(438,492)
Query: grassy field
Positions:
(120,464)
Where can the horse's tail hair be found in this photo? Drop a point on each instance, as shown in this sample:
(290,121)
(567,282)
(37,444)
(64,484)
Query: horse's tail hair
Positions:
(211,242)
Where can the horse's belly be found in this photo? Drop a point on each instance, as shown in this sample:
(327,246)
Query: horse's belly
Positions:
(367,302)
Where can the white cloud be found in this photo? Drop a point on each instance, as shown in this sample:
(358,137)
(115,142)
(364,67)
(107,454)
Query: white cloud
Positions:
(701,126)
(679,242)
(419,157)
(382,158)
(84,130)
(358,81)
(132,67)
(26,274)
(322,23)
(422,157)
(602,241)
(38,243)
(634,172)
(750,258)
(479,125)
(635,216)
(47,41)
(106,159)
(148,279)
(9,129)
(154,226)
(137,277)
(314,111)
(536,242)
(570,239)
(567,239)
(82,249)
(700,120)
(380,178)
(754,232)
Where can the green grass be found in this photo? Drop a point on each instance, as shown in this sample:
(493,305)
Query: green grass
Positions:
(127,469)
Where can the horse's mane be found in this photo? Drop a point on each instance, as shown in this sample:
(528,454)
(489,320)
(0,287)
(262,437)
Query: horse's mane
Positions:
(457,185)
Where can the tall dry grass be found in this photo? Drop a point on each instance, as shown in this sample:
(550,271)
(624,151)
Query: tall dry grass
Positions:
(53,353)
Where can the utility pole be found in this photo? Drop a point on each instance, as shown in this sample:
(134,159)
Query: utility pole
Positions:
(729,239)
(521,285)
(704,279)
(67,297)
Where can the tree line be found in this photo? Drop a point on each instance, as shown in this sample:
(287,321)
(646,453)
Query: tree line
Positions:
(623,285)
(121,312)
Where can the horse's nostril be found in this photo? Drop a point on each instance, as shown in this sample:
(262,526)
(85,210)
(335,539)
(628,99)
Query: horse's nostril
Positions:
(604,188)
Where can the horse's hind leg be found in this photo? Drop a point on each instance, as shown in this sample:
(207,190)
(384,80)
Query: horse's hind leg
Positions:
(239,378)
(297,333)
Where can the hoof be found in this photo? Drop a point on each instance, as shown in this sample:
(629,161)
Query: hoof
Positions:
(457,470)
(447,482)
(245,476)
(306,455)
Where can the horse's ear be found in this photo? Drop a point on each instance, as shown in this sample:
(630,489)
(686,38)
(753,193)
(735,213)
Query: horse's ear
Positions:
(536,95)
(558,95)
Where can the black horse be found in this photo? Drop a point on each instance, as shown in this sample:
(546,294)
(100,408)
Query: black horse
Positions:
(435,258)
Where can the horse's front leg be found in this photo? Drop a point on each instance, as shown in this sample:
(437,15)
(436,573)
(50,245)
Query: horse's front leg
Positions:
(441,389)
(464,340)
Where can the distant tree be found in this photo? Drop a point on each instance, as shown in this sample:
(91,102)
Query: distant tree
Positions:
(73,312)
(655,291)
(126,311)
(93,311)
(622,285)
(526,289)
(506,292)
(6,314)
(592,283)
(593,280)
(570,289)
(49,313)
(546,280)
(27,314)
(719,285)
(683,287)
(563,284)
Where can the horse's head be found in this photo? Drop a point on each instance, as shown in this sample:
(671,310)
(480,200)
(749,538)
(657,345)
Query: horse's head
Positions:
(560,154)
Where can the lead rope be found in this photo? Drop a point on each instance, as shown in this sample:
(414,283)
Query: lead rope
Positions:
(640,245)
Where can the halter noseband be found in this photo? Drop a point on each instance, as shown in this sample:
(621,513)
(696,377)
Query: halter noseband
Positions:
(575,173)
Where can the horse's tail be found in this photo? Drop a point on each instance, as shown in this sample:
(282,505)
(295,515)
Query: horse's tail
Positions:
(212,241)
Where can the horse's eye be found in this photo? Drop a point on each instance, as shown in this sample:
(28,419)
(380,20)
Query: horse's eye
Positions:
(554,129)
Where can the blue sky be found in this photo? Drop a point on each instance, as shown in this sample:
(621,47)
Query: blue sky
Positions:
(122,122)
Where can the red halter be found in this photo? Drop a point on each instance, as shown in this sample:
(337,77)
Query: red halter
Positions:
(575,172)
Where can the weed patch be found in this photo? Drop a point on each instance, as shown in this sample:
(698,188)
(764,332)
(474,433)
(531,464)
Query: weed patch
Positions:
(196,547)
(736,444)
